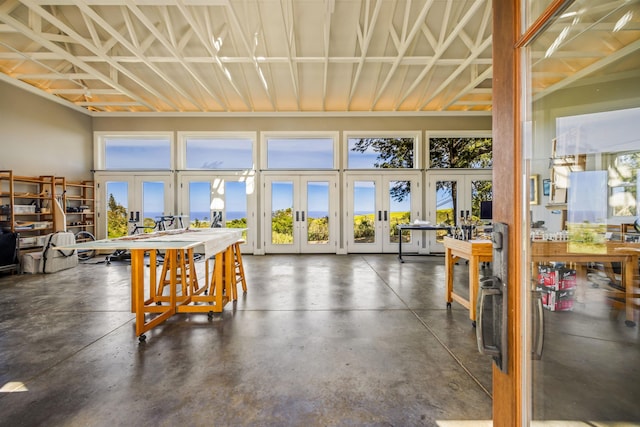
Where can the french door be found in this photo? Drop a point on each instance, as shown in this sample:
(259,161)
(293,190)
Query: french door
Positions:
(127,202)
(300,213)
(376,204)
(454,194)
(224,200)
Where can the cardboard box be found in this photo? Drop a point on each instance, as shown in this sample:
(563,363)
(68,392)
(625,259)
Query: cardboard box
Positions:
(24,209)
(558,300)
(557,278)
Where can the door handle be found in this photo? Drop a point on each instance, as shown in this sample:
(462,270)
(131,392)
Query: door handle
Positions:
(302,213)
(492,307)
(538,326)
(379,215)
(297,215)
(489,288)
(385,215)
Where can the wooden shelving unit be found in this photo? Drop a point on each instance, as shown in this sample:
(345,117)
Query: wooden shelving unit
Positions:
(28,207)
(80,206)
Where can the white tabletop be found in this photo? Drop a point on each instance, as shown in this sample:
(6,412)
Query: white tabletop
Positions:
(213,240)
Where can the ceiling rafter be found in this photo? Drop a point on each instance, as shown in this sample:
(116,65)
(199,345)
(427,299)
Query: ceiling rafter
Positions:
(133,49)
(442,47)
(403,48)
(291,47)
(365,42)
(171,47)
(478,50)
(69,57)
(330,7)
(207,43)
(471,87)
(251,51)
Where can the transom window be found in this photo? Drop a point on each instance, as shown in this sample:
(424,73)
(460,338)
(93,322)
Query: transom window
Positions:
(133,151)
(299,152)
(461,152)
(205,152)
(381,152)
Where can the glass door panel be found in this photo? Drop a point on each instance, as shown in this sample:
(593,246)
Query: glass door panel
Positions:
(364,213)
(153,205)
(131,204)
(581,273)
(281,213)
(199,204)
(117,208)
(301,209)
(454,195)
(221,201)
(399,202)
(317,213)
(376,205)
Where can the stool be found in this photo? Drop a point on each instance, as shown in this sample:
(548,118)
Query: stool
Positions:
(184,269)
(238,269)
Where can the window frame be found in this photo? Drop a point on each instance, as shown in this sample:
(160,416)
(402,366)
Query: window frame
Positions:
(181,157)
(99,148)
(266,136)
(417,147)
(452,134)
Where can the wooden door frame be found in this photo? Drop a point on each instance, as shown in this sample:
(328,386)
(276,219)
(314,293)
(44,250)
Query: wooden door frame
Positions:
(507,186)
(510,392)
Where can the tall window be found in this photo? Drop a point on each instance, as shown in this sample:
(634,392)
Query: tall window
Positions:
(624,183)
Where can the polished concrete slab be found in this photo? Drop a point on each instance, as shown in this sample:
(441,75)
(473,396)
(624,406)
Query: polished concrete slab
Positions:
(319,340)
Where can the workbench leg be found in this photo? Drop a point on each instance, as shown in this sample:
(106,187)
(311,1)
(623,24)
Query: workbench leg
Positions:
(448,267)
(474,283)
(629,271)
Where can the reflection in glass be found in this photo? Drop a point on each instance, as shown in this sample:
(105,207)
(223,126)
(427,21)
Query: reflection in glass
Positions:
(282,212)
(364,202)
(582,81)
(317,212)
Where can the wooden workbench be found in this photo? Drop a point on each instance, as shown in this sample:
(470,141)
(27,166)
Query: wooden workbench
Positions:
(475,251)
(178,247)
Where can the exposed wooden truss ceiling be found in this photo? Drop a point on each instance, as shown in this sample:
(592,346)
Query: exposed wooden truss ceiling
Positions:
(265,56)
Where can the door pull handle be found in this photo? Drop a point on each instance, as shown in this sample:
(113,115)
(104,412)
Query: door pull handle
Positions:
(379,215)
(302,213)
(538,326)
(385,215)
(297,215)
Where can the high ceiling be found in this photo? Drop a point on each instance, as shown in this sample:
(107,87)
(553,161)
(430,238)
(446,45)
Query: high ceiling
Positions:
(275,56)
(252,55)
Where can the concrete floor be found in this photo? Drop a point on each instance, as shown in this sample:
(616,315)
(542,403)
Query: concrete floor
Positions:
(319,340)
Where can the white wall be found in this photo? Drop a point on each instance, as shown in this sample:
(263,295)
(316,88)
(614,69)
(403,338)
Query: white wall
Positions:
(41,137)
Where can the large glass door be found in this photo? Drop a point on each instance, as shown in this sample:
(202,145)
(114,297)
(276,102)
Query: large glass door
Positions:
(300,213)
(454,196)
(226,200)
(581,278)
(376,205)
(130,204)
